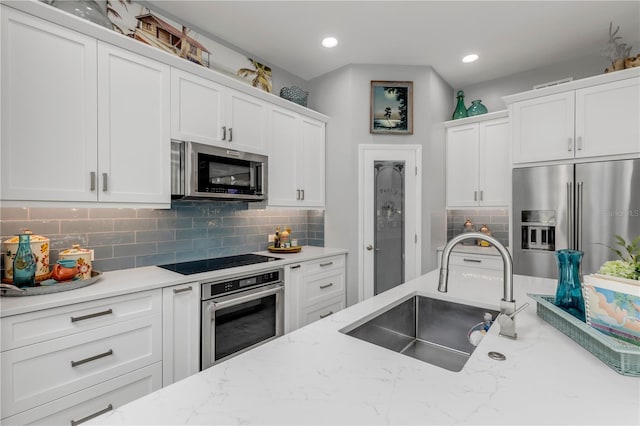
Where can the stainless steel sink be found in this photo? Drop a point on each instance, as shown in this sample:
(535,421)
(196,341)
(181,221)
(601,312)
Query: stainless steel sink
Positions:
(431,330)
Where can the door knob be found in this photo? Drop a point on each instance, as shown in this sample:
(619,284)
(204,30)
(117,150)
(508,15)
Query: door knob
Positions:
(370,247)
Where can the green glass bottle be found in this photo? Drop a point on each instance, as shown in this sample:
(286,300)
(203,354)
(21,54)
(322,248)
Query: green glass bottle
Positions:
(460,111)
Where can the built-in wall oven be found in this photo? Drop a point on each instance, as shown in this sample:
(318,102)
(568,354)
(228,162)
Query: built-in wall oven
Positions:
(239,314)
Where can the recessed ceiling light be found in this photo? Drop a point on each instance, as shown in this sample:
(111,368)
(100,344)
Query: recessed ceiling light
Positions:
(329,42)
(470,58)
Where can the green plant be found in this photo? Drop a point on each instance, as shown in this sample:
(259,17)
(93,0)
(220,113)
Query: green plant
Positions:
(628,266)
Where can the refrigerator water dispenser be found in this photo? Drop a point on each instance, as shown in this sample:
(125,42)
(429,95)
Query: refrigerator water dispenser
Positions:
(539,230)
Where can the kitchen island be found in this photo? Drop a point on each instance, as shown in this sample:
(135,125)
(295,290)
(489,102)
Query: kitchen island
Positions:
(318,375)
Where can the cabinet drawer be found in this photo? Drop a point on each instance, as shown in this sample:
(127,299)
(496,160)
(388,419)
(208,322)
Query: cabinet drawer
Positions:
(42,372)
(324,264)
(81,406)
(322,310)
(35,327)
(476,261)
(323,286)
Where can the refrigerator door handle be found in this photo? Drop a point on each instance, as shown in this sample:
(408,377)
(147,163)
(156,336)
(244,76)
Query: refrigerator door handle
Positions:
(579,216)
(570,241)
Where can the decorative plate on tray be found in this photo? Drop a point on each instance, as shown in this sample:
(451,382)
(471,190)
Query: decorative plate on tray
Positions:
(48,286)
(295,249)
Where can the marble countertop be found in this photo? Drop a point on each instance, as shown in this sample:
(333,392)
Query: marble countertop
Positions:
(318,375)
(127,281)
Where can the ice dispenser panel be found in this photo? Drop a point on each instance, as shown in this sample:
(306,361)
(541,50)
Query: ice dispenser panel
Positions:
(539,230)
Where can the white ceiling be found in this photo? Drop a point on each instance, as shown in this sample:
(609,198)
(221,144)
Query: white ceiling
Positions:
(509,36)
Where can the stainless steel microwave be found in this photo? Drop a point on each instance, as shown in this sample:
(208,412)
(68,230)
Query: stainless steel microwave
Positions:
(201,171)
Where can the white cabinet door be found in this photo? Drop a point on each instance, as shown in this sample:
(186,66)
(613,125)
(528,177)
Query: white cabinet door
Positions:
(311,176)
(180,332)
(197,109)
(134,135)
(292,283)
(542,128)
(49,118)
(607,119)
(246,123)
(462,166)
(284,128)
(495,163)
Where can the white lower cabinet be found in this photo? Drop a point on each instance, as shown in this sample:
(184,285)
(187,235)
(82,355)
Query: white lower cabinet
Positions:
(180,332)
(314,290)
(82,406)
(89,345)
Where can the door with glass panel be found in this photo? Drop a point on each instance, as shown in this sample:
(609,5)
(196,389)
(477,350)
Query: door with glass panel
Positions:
(390,203)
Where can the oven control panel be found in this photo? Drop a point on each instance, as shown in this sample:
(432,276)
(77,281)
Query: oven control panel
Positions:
(241,283)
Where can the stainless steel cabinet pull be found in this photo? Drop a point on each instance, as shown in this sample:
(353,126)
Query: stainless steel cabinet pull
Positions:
(302,193)
(182,290)
(105,180)
(295,267)
(230,134)
(326,285)
(224,133)
(326,264)
(570,145)
(91,358)
(298,194)
(475,195)
(91,416)
(327,314)
(481,195)
(472,260)
(97,314)
(93,181)
(579,143)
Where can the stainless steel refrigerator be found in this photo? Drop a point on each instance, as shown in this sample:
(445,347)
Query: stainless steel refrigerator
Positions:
(578,206)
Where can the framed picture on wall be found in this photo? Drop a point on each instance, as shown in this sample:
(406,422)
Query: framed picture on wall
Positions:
(391,107)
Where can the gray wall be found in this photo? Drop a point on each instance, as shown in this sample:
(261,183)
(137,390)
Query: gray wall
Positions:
(130,238)
(344,95)
(491,92)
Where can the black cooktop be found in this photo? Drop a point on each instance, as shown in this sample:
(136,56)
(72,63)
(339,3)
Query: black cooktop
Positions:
(206,265)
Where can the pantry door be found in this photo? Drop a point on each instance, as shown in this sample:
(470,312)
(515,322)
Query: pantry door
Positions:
(390,204)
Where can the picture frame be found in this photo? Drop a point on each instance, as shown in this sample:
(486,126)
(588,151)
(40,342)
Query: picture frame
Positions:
(391,107)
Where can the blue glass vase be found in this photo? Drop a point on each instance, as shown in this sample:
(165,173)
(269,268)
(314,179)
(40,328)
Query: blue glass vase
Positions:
(24,264)
(569,290)
(476,108)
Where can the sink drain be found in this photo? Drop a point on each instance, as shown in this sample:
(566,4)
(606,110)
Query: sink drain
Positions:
(496,356)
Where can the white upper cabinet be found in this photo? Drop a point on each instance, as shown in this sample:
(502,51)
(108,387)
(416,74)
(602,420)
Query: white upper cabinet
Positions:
(607,119)
(296,160)
(49,118)
(543,128)
(133,122)
(478,163)
(593,117)
(207,112)
(91,126)
(197,111)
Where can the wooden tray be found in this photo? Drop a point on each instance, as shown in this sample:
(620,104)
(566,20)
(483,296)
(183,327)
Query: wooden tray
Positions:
(295,249)
(51,286)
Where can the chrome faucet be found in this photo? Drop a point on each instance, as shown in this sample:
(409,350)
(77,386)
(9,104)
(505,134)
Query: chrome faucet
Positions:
(507,304)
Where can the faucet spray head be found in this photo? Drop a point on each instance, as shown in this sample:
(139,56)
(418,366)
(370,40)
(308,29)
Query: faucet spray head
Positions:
(444,276)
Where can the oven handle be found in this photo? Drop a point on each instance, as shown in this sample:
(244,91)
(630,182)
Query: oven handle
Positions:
(246,297)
